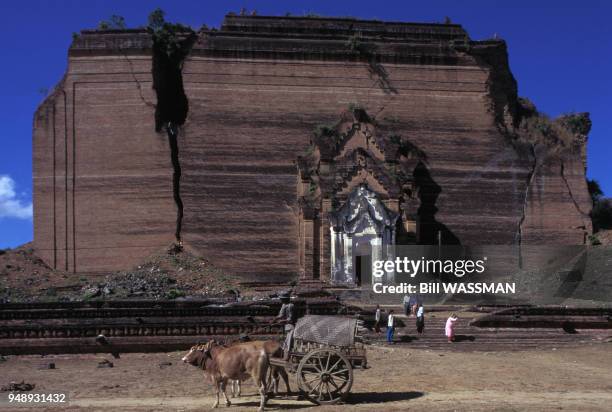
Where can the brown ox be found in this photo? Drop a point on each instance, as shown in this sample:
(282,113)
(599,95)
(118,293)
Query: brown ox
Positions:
(237,362)
(273,349)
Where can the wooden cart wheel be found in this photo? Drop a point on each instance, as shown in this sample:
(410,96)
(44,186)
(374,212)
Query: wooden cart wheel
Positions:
(325,376)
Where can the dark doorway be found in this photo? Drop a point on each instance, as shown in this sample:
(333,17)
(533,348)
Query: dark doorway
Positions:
(363,270)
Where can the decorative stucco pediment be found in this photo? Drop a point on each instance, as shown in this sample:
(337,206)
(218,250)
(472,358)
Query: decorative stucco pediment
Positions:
(360,136)
(351,153)
(362,176)
(354,129)
(363,212)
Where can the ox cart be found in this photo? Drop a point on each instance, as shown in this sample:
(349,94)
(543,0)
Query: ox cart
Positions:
(322,354)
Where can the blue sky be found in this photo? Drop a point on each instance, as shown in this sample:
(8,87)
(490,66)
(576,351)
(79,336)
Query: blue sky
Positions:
(560,53)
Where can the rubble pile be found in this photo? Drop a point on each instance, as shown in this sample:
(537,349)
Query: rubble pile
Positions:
(18,386)
(172,274)
(145,282)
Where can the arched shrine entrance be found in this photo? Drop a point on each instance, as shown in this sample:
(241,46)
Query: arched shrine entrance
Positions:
(356,199)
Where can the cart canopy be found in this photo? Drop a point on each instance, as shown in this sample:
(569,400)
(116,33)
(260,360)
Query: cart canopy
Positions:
(327,330)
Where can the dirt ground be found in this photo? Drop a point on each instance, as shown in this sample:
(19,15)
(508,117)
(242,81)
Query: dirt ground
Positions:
(399,378)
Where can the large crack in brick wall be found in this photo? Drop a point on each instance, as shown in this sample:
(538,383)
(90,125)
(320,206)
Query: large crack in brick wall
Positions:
(171,45)
(525,204)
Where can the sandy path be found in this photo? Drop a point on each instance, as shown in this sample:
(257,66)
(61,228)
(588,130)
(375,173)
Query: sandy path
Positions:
(400,378)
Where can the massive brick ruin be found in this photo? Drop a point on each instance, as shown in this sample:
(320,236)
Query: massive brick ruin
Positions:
(419,117)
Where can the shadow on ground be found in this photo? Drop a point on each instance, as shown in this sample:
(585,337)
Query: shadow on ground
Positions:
(353,399)
(464,338)
(458,338)
(408,338)
(272,406)
(381,397)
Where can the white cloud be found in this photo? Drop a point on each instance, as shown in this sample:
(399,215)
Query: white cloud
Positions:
(10,203)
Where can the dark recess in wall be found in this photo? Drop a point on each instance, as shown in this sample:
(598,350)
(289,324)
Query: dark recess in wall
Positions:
(171,44)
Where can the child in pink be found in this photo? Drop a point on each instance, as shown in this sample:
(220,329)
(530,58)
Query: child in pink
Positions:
(450,327)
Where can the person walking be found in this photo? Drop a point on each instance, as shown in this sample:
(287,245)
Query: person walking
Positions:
(449,329)
(390,326)
(420,319)
(377,320)
(407,300)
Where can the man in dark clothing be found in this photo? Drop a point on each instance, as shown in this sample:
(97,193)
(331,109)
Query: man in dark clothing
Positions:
(287,316)
(420,319)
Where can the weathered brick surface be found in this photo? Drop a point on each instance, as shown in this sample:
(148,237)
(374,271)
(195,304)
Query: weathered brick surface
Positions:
(113,192)
(253,103)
